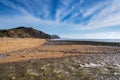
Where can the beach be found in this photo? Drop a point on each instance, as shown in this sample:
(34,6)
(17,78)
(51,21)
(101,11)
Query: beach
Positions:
(31,58)
(15,50)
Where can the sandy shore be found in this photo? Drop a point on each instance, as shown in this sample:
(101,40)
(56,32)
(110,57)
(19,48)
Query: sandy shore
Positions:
(29,59)
(13,44)
(18,49)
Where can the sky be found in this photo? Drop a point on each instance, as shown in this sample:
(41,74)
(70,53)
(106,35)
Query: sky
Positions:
(77,19)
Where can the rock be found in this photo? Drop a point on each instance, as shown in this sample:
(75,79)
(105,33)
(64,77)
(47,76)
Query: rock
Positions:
(94,65)
(13,78)
(86,65)
(56,71)
(82,65)
(32,72)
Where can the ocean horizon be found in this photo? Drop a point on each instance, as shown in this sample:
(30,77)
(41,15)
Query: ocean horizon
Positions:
(96,40)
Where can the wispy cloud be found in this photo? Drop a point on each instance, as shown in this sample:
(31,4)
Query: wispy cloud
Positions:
(65,15)
(70,12)
(93,9)
(110,16)
(8,3)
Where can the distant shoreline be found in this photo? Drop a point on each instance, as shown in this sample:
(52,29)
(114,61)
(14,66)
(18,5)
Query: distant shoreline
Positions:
(81,42)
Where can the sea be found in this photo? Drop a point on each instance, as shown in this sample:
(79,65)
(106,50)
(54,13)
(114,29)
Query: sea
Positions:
(96,40)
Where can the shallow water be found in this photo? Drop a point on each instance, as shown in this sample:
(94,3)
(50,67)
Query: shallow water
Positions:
(97,40)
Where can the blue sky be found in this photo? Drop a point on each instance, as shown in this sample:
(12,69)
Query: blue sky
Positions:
(98,19)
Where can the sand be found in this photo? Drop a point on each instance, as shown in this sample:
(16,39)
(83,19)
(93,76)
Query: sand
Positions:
(24,49)
(13,44)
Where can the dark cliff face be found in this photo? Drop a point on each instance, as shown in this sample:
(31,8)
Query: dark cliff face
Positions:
(23,32)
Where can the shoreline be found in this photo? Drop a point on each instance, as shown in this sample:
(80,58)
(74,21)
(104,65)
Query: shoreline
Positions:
(73,42)
(17,50)
(23,60)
